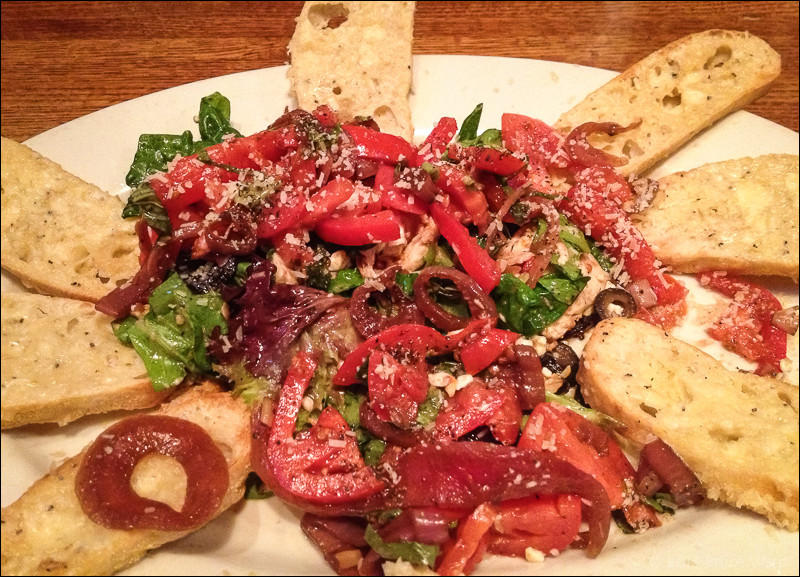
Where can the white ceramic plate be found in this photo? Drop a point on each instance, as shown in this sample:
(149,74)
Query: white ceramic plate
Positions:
(259,537)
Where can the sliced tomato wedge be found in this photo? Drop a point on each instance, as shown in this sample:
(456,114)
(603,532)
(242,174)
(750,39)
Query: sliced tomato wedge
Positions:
(282,216)
(322,465)
(396,388)
(323,203)
(255,151)
(476,261)
(538,140)
(383,226)
(500,162)
(435,144)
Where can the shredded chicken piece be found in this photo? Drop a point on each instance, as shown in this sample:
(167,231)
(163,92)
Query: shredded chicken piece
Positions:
(517,251)
(413,256)
(283,274)
(597,282)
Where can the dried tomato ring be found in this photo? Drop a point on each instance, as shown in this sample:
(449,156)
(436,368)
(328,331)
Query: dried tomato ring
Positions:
(103,482)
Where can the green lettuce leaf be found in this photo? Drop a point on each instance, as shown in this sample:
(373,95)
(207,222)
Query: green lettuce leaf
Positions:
(411,551)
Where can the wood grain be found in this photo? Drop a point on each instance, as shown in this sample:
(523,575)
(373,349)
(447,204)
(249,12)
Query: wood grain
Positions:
(61,60)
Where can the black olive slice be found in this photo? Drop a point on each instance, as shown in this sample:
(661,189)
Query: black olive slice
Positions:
(614,302)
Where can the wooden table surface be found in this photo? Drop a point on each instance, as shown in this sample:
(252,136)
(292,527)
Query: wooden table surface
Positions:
(61,60)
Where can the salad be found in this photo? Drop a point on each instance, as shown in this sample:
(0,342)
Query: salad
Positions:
(395,315)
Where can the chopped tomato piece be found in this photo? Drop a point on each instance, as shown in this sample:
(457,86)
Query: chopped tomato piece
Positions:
(476,261)
(324,202)
(394,197)
(416,338)
(454,182)
(505,422)
(255,151)
(396,389)
(383,226)
(282,216)
(469,408)
(500,162)
(482,350)
(746,327)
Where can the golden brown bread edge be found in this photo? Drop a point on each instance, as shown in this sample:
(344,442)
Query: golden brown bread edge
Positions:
(46,532)
(737,431)
(676,92)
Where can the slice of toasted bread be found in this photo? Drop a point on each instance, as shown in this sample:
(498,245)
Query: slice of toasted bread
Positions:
(737,431)
(676,92)
(61,361)
(356,58)
(60,235)
(739,215)
(45,532)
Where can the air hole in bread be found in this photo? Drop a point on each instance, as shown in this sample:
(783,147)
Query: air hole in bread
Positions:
(71,325)
(787,400)
(120,252)
(720,57)
(674,67)
(337,90)
(329,16)
(631,149)
(384,116)
(160,478)
(672,100)
(725,435)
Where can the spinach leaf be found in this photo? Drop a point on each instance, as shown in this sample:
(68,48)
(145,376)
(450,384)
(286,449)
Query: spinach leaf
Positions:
(529,310)
(411,551)
(154,152)
(144,202)
(468,134)
(345,279)
(171,337)
(214,119)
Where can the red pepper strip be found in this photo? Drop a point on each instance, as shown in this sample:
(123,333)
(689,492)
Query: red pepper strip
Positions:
(541,142)
(379,146)
(467,548)
(324,202)
(452,181)
(492,160)
(546,523)
(481,352)
(459,475)
(586,206)
(436,143)
(322,465)
(752,305)
(417,338)
(469,408)
(476,261)
(383,226)
(255,151)
(394,197)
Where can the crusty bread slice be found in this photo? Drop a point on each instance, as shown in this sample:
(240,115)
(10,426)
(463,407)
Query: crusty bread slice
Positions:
(60,235)
(45,532)
(356,58)
(61,361)
(737,431)
(739,215)
(676,92)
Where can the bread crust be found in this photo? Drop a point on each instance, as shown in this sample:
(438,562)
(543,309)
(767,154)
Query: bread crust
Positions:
(46,532)
(737,431)
(60,235)
(676,92)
